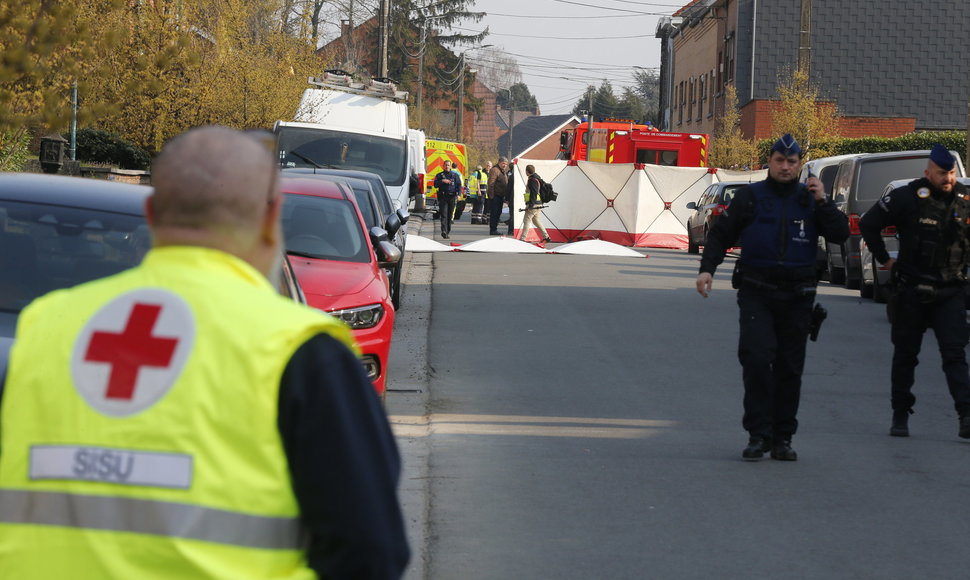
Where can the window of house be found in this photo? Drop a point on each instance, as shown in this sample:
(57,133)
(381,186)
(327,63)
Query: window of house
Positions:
(690,101)
(729,57)
(703,92)
(710,107)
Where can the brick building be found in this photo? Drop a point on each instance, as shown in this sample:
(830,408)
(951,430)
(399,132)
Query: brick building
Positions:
(891,67)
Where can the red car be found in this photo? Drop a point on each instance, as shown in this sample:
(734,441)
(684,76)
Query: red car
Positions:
(340,264)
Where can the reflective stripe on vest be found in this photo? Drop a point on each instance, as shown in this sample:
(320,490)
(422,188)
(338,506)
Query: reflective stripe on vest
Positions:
(140,516)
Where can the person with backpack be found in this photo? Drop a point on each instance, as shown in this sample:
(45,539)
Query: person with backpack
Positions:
(533,201)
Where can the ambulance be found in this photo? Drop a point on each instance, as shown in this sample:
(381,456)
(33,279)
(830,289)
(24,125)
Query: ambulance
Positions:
(436,152)
(623,141)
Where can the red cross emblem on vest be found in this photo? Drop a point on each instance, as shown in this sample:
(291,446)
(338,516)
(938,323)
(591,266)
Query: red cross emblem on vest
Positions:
(131,352)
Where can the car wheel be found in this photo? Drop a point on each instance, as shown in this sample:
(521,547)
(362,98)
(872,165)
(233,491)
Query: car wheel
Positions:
(836,275)
(852,282)
(880,293)
(396,293)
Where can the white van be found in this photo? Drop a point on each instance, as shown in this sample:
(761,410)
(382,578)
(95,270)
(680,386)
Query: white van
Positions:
(344,124)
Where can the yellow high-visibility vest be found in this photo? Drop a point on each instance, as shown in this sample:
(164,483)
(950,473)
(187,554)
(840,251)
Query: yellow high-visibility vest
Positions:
(139,426)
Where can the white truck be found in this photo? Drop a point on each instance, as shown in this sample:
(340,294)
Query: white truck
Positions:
(344,124)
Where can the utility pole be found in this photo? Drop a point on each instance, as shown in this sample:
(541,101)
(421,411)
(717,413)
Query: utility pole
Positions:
(589,130)
(424,31)
(460,117)
(384,25)
(508,154)
(805,38)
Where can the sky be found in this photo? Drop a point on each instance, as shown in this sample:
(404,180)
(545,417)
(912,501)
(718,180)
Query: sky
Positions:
(563,46)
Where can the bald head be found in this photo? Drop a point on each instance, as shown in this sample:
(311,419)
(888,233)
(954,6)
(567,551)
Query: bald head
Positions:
(218,188)
(213,179)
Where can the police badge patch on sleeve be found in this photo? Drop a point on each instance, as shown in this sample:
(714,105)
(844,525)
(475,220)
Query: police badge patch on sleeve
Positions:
(923,192)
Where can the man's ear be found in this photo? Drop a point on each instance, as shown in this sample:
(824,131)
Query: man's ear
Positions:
(149,211)
(271,226)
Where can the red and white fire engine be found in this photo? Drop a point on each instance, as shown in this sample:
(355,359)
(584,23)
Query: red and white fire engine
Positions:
(620,141)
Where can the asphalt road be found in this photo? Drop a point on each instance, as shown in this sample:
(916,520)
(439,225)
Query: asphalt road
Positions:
(580,417)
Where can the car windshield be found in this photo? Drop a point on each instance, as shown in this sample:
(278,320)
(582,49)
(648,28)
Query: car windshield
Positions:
(323,228)
(875,174)
(46,247)
(326,148)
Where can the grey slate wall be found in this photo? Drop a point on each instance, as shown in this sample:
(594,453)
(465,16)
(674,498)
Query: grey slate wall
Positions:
(876,58)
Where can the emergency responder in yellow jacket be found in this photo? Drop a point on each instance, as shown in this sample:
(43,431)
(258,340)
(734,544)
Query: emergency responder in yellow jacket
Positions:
(183,420)
(477,188)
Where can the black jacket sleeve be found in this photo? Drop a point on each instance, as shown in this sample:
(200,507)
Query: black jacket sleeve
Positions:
(833,225)
(726,231)
(886,212)
(344,464)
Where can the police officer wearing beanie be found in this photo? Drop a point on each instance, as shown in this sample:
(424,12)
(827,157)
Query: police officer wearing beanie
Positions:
(932,219)
(777,223)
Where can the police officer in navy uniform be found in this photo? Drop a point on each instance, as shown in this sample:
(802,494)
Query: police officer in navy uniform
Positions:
(932,219)
(777,223)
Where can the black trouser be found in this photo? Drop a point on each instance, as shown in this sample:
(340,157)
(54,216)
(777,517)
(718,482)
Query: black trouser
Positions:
(771,348)
(477,204)
(946,315)
(511,213)
(495,212)
(446,210)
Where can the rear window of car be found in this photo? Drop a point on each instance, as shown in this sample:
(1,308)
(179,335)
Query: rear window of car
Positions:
(728,194)
(45,247)
(874,174)
(323,228)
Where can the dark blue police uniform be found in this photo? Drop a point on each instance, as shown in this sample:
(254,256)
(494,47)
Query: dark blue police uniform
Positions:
(778,225)
(929,279)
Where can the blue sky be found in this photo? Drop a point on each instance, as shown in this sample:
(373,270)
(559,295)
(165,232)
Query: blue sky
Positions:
(564,45)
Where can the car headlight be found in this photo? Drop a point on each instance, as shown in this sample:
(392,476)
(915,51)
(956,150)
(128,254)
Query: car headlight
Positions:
(361,317)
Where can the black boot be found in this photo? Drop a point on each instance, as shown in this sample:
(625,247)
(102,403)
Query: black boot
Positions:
(900,426)
(782,451)
(756,448)
(965,426)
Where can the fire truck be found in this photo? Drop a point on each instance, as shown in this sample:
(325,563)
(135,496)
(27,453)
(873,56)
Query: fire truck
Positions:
(619,141)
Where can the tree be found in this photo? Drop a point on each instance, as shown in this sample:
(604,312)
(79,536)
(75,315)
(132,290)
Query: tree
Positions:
(647,88)
(813,122)
(194,62)
(729,149)
(606,104)
(46,46)
(522,98)
(496,69)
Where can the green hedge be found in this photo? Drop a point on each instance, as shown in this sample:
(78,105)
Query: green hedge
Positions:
(97,146)
(953,140)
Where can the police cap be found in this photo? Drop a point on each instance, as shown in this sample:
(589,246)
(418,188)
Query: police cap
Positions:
(787,146)
(941,156)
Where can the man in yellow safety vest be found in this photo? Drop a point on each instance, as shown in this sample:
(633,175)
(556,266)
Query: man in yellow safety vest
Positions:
(183,420)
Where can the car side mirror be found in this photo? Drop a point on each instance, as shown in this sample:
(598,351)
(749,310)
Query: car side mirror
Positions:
(387,253)
(691,205)
(393,224)
(404,215)
(377,235)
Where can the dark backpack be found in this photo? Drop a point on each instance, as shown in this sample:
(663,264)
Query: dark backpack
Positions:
(546,194)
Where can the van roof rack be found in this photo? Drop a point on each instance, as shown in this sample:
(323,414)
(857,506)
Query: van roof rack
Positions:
(382,87)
